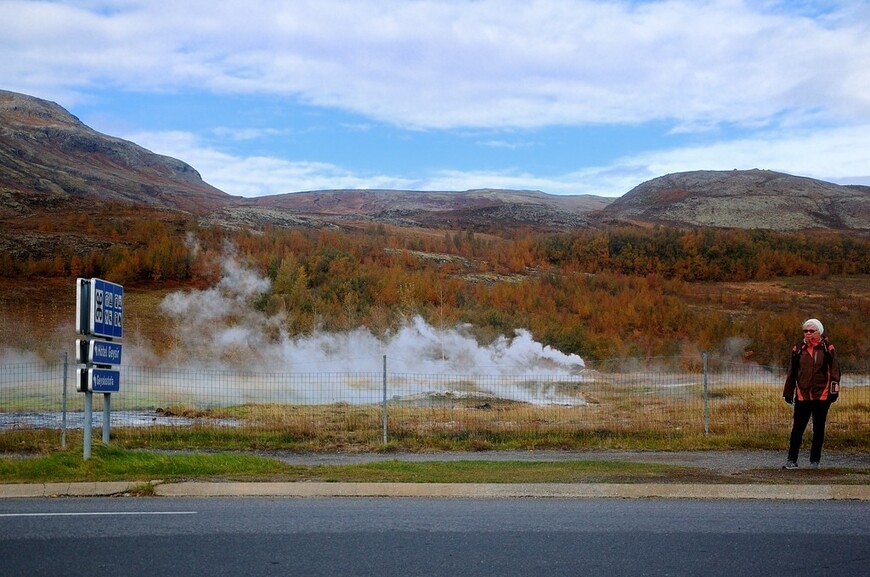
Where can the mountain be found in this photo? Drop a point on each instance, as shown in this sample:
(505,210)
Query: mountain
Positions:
(750,199)
(471,209)
(50,161)
(49,158)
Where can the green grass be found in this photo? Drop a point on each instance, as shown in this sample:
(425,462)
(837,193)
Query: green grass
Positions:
(370,440)
(501,472)
(118,464)
(115,463)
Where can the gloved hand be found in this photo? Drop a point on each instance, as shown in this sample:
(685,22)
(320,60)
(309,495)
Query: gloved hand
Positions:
(788,400)
(833,397)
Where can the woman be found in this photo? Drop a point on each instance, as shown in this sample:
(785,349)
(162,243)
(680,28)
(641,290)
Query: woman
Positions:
(812,384)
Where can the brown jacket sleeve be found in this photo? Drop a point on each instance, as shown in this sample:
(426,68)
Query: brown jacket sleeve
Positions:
(835,365)
(791,377)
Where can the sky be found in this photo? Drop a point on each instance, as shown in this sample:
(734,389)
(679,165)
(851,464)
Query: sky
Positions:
(564,96)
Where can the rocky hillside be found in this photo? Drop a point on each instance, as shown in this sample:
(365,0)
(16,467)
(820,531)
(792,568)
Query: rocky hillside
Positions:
(471,209)
(750,199)
(50,161)
(48,158)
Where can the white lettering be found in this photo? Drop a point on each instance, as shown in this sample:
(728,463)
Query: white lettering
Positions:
(107,380)
(105,351)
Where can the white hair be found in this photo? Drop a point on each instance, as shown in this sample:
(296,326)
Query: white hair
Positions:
(816,324)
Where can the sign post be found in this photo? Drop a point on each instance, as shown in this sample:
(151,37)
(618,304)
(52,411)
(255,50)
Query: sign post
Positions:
(99,313)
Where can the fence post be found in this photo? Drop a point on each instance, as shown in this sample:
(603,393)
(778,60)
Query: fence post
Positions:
(385,399)
(63,405)
(706,399)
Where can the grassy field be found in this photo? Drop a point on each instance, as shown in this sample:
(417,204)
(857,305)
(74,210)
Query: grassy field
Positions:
(629,416)
(115,463)
(654,412)
(737,424)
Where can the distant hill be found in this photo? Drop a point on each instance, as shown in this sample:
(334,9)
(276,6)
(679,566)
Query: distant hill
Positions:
(749,199)
(471,209)
(51,161)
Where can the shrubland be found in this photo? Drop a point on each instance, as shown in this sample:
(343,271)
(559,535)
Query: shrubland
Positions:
(600,293)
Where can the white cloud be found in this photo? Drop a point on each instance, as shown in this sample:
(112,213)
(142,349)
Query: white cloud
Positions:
(252,176)
(442,64)
(507,144)
(835,155)
(793,76)
(245,133)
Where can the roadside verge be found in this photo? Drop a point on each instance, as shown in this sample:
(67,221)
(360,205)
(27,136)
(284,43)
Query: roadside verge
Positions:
(446,490)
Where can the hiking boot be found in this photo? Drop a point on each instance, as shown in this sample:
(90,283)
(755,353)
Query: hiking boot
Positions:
(790,465)
(814,464)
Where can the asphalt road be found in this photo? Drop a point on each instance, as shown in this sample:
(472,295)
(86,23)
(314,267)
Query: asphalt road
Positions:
(404,537)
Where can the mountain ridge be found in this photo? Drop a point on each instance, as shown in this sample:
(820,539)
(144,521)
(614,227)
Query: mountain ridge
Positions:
(50,160)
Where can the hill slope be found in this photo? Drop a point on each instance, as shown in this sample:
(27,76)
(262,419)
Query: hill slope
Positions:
(49,158)
(470,209)
(752,199)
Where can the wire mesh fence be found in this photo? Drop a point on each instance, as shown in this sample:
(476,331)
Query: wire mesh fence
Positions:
(667,397)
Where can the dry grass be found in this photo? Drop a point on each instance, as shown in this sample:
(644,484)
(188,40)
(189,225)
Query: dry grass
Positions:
(630,411)
(740,416)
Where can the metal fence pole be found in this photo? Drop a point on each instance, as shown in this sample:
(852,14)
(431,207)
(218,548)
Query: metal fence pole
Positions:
(385,399)
(63,405)
(706,399)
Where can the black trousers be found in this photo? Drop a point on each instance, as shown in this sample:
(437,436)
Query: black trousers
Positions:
(803,410)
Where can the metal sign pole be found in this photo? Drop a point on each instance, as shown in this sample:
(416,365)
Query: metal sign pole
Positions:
(89,409)
(63,407)
(385,399)
(100,313)
(706,399)
(107,416)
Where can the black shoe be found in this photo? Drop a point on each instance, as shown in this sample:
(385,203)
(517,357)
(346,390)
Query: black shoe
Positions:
(790,465)
(814,464)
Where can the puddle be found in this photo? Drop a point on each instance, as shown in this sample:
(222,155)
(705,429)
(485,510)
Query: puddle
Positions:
(75,420)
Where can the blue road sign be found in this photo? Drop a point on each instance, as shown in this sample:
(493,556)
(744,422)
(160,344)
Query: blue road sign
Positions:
(99,380)
(107,309)
(98,352)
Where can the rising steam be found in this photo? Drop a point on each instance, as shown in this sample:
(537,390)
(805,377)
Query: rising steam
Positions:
(219,326)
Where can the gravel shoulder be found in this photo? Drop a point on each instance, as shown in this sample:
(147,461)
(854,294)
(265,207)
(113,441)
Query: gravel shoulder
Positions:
(720,461)
(696,466)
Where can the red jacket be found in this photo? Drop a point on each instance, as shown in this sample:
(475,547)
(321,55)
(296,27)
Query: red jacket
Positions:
(811,372)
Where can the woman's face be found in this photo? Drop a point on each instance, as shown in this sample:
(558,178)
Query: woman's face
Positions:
(811,335)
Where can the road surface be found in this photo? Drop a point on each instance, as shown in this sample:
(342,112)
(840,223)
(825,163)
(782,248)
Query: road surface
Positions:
(409,536)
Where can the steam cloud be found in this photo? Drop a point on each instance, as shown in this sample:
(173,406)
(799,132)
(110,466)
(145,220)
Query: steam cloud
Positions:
(219,326)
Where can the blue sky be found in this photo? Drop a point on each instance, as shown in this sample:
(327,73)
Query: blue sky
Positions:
(564,96)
